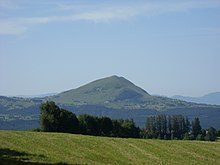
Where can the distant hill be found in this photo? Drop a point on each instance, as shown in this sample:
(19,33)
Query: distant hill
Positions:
(37,96)
(108,91)
(113,96)
(211,98)
(118,93)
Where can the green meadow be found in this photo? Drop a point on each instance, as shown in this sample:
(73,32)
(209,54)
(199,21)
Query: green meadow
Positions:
(23,147)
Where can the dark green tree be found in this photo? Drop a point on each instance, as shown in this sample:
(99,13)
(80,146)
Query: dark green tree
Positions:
(196,127)
(129,129)
(164,127)
(117,130)
(106,126)
(54,119)
(218,133)
(49,117)
(211,134)
(187,126)
(175,127)
(125,129)
(151,127)
(68,122)
(169,129)
(159,127)
(89,125)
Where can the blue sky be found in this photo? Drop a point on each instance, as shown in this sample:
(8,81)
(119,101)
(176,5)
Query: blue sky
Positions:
(167,48)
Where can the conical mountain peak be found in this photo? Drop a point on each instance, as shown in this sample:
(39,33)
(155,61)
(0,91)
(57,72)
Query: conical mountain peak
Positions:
(113,89)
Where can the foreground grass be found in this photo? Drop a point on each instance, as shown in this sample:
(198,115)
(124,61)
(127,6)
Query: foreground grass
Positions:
(56,148)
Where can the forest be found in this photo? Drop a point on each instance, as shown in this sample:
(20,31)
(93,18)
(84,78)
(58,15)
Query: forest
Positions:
(176,127)
(54,119)
(167,127)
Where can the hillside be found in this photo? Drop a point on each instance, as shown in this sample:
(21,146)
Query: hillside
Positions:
(53,148)
(103,92)
(211,98)
(118,93)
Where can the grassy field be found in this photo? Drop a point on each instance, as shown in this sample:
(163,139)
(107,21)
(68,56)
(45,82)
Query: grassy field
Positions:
(56,148)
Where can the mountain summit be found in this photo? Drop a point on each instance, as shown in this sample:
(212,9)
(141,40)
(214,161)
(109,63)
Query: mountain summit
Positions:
(104,91)
(117,93)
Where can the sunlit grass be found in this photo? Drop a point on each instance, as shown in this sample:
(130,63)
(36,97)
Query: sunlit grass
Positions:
(55,148)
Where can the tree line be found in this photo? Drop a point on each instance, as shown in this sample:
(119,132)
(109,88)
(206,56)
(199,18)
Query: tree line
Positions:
(55,119)
(177,127)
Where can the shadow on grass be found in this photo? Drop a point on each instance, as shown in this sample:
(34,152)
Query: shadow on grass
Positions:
(12,157)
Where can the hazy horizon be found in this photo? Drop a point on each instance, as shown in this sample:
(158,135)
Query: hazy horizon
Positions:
(167,48)
(57,92)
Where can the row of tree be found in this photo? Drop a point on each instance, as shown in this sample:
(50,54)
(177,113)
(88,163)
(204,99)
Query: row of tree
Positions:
(55,119)
(177,127)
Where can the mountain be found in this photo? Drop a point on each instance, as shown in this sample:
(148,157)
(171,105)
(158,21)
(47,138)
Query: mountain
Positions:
(36,96)
(211,98)
(105,91)
(118,93)
(114,96)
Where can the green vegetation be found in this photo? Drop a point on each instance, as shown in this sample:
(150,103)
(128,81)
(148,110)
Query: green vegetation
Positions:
(17,103)
(111,92)
(167,127)
(177,127)
(118,93)
(54,119)
(54,148)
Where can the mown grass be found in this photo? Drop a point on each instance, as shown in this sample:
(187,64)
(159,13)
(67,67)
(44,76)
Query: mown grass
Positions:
(17,147)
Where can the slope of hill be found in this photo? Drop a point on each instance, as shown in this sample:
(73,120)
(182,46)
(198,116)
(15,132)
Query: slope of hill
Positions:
(211,98)
(118,93)
(111,91)
(53,148)
(13,104)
